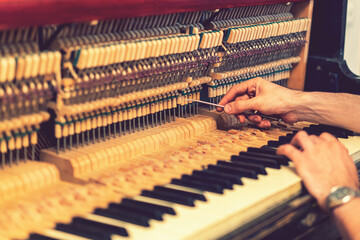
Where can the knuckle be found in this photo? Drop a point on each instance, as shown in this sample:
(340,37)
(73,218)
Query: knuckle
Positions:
(328,137)
(284,149)
(300,135)
(237,105)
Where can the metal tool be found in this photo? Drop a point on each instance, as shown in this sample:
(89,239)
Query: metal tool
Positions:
(272,118)
(208,103)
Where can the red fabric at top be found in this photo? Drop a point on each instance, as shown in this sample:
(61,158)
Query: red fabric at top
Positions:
(17,13)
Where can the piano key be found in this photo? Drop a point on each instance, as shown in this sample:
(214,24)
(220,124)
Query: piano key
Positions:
(290,135)
(241,172)
(330,128)
(223,213)
(262,161)
(137,210)
(198,185)
(126,216)
(69,228)
(352,144)
(132,229)
(282,160)
(262,150)
(36,236)
(317,131)
(93,226)
(196,196)
(284,139)
(274,144)
(251,166)
(55,234)
(160,208)
(184,200)
(223,183)
(273,149)
(230,177)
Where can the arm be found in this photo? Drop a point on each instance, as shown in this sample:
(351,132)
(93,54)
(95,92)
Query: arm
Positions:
(337,109)
(323,162)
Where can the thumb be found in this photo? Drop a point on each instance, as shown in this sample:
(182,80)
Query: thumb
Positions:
(239,106)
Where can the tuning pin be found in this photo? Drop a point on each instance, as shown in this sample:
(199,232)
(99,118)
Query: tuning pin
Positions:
(98,125)
(58,133)
(165,112)
(25,142)
(3,149)
(104,123)
(71,129)
(34,141)
(18,145)
(10,146)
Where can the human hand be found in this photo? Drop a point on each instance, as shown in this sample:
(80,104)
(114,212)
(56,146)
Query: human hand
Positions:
(263,96)
(322,163)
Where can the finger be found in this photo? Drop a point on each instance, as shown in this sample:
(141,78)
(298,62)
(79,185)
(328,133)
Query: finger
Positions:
(241,106)
(240,117)
(328,137)
(243,97)
(219,109)
(254,118)
(238,90)
(302,140)
(314,139)
(264,124)
(291,152)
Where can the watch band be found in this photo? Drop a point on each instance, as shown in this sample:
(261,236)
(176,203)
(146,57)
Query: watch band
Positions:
(340,195)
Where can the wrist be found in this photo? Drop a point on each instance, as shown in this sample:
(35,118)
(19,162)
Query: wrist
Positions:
(339,196)
(306,106)
(345,208)
(299,104)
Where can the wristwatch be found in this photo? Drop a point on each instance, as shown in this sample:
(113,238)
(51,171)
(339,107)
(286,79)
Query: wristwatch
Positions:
(340,195)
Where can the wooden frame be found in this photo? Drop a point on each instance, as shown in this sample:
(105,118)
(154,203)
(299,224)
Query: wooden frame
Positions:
(297,77)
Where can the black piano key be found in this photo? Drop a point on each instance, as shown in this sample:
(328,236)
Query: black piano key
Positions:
(284,139)
(290,135)
(265,162)
(268,148)
(69,228)
(274,143)
(329,129)
(259,169)
(196,196)
(317,131)
(223,183)
(210,187)
(141,211)
(261,150)
(333,128)
(155,207)
(230,177)
(126,216)
(234,170)
(93,226)
(183,200)
(36,236)
(282,160)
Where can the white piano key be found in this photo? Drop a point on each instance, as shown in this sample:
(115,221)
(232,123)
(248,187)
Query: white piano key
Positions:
(353,145)
(223,213)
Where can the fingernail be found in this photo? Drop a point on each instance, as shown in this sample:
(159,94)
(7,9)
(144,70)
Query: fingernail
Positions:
(257,119)
(227,108)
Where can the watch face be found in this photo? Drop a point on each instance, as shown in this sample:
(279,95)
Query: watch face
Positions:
(340,196)
(342,192)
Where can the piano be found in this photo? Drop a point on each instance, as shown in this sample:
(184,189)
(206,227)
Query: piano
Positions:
(99,141)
